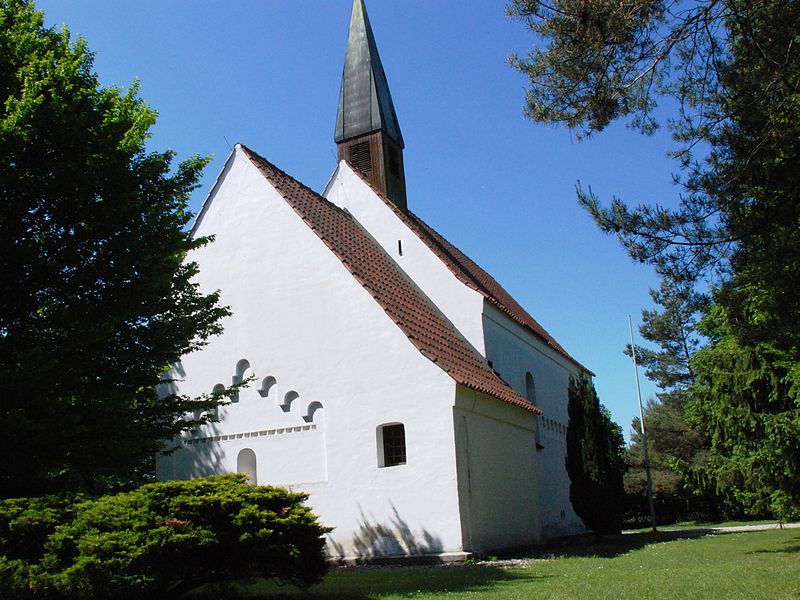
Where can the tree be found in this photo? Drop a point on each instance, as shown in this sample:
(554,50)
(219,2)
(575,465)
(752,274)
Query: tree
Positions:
(594,460)
(673,330)
(98,300)
(748,399)
(732,69)
(678,450)
(675,445)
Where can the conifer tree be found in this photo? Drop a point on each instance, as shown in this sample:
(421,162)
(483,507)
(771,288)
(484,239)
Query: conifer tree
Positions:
(594,460)
(729,71)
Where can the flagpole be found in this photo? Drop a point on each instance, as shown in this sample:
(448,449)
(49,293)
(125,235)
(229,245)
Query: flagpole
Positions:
(644,433)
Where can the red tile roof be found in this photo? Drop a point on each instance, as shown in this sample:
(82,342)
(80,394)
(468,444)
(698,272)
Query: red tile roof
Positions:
(430,332)
(471,274)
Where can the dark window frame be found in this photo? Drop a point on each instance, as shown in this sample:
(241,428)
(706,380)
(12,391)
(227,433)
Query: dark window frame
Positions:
(393,445)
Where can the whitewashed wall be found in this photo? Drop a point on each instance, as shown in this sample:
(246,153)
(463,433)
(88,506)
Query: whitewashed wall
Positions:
(459,303)
(302,319)
(500,499)
(514,352)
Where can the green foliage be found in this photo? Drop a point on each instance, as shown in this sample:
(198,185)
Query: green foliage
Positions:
(98,300)
(159,540)
(676,448)
(731,72)
(594,460)
(672,440)
(673,330)
(748,399)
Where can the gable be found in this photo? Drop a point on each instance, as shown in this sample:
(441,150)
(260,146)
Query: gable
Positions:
(416,316)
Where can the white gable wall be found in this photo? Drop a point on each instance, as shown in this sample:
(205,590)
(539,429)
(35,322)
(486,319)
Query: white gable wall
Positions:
(459,303)
(514,352)
(301,318)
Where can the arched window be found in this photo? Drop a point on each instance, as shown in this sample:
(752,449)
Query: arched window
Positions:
(391,439)
(246,464)
(530,395)
(530,388)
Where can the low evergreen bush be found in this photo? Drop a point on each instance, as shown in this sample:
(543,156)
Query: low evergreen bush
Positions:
(159,540)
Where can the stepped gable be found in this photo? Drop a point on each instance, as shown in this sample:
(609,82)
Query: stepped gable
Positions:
(413,312)
(472,275)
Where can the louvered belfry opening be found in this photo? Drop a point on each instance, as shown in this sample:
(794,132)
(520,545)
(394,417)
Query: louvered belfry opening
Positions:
(380,160)
(361,158)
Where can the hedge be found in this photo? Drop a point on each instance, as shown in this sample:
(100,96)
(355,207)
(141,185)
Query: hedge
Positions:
(159,540)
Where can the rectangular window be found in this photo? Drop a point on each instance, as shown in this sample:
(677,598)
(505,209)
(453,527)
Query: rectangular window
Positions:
(394,445)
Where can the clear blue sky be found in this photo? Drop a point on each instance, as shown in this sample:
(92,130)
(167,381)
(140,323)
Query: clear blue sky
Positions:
(266,73)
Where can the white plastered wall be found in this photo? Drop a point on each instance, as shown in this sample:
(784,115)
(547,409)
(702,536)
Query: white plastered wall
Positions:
(459,303)
(514,352)
(301,318)
(497,472)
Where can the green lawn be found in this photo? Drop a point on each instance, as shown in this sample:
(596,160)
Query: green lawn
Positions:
(763,564)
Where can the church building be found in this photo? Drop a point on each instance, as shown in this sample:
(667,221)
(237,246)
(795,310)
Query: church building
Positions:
(421,407)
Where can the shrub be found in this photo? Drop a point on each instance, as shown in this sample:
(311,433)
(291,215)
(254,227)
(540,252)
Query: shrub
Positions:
(159,540)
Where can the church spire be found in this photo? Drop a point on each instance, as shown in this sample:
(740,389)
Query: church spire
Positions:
(367,133)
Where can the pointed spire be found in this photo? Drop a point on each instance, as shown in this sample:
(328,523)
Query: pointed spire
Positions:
(365,104)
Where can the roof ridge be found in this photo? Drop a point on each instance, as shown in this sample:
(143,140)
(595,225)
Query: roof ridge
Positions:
(412,311)
(439,245)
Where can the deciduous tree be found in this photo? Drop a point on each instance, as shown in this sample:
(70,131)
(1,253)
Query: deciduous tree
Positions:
(97,298)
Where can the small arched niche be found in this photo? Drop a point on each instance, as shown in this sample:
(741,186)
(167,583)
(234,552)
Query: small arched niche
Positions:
(266,385)
(290,397)
(246,464)
(239,376)
(217,393)
(241,368)
(313,413)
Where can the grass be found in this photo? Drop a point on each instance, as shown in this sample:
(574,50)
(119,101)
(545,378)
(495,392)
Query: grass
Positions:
(752,565)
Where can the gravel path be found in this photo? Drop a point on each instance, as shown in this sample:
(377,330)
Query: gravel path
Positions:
(735,528)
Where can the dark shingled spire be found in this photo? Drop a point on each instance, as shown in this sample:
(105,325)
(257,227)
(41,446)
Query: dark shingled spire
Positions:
(367,134)
(365,104)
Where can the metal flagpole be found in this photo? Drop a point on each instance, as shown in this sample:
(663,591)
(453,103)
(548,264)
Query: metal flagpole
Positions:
(644,433)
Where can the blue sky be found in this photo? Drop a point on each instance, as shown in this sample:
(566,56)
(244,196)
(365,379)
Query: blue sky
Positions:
(501,188)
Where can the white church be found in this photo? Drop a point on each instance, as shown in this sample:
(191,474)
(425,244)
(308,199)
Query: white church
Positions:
(421,407)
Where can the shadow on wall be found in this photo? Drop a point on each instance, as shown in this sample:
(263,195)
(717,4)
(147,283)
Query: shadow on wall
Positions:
(197,459)
(170,379)
(392,538)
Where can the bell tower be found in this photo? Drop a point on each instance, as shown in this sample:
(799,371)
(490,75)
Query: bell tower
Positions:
(367,133)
